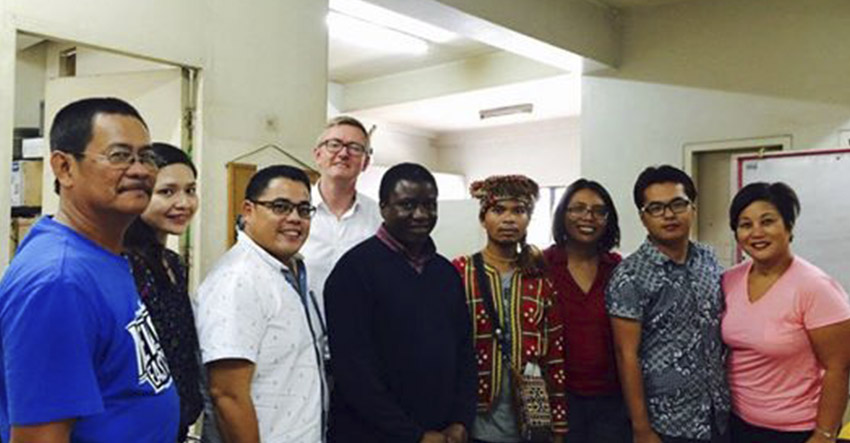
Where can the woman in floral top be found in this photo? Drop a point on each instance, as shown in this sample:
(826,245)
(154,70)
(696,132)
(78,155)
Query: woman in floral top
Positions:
(160,274)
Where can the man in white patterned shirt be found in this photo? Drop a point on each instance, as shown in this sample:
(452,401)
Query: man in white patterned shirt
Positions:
(258,327)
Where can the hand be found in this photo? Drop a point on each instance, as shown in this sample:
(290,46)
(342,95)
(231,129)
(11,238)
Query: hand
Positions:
(647,436)
(455,433)
(819,438)
(433,437)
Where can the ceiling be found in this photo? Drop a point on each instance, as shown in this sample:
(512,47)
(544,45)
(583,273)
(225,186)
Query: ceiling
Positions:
(552,97)
(348,62)
(25,41)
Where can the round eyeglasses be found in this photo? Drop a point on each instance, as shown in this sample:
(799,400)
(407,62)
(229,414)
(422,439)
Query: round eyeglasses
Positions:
(122,157)
(597,212)
(334,145)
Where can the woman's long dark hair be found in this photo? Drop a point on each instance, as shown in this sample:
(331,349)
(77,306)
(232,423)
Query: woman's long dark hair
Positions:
(140,237)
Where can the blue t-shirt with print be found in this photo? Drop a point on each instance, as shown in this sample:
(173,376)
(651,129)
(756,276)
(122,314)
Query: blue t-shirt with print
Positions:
(78,343)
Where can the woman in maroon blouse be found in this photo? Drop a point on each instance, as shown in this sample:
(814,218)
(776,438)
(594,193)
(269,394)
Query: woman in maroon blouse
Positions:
(586,229)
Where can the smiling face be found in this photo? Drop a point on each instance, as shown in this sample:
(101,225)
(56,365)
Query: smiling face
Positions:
(667,227)
(506,221)
(762,233)
(174,200)
(344,164)
(280,235)
(583,220)
(410,212)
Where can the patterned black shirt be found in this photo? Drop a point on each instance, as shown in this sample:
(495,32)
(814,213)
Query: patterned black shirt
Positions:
(171,311)
(681,352)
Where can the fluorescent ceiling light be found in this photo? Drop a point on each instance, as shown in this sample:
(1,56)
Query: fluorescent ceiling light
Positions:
(365,34)
(524,108)
(390,19)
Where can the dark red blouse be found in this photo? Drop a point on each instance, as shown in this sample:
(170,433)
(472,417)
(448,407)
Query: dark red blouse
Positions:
(590,364)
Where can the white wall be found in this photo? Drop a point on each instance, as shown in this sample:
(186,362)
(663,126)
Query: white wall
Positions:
(29,85)
(263,76)
(395,144)
(392,143)
(335,99)
(714,70)
(547,151)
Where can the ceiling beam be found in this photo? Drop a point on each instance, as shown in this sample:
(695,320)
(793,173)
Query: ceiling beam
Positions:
(485,71)
(555,32)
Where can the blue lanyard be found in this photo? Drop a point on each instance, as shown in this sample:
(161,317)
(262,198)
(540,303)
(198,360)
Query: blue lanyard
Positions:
(304,294)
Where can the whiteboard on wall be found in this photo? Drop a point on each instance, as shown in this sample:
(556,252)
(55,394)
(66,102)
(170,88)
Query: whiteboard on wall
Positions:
(822,182)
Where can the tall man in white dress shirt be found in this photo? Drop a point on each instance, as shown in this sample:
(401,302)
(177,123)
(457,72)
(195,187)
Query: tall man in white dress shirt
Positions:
(344,217)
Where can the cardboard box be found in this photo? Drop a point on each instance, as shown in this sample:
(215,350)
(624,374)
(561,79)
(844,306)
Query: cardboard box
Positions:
(26,182)
(33,147)
(20,227)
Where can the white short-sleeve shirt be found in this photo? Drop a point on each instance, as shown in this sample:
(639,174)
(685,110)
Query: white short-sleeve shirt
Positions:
(247,310)
(331,237)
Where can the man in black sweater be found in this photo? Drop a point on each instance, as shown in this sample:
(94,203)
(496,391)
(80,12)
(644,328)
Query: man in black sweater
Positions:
(399,328)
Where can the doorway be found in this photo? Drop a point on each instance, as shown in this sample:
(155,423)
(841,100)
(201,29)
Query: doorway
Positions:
(712,167)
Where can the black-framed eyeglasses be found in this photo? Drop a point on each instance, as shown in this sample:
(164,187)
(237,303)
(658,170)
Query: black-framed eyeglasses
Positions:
(676,206)
(598,212)
(334,145)
(123,157)
(283,207)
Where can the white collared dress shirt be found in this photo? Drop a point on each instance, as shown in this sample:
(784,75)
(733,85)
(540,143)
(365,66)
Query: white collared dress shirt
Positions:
(331,237)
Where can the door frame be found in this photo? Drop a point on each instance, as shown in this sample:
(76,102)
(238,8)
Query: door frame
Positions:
(691,149)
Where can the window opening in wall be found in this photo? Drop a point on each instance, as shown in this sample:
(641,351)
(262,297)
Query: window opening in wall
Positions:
(540,228)
(68,63)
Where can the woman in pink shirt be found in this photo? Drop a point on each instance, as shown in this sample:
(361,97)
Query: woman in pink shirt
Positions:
(787,325)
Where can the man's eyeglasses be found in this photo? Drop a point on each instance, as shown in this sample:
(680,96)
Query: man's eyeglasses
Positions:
(334,145)
(123,158)
(676,206)
(578,211)
(283,207)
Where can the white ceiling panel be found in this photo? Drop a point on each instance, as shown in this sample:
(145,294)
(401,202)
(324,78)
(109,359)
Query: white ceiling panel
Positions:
(552,97)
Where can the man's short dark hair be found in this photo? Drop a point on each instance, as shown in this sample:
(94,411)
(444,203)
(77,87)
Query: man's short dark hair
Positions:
(73,125)
(778,194)
(662,174)
(260,180)
(403,171)
(610,238)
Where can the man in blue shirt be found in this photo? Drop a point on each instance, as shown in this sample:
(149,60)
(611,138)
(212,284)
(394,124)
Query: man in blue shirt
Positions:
(665,303)
(80,359)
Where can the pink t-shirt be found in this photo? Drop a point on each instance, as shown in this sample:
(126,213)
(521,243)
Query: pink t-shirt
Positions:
(774,374)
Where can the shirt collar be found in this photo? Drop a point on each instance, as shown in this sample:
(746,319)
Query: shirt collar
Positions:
(419,261)
(557,256)
(653,254)
(319,201)
(247,242)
